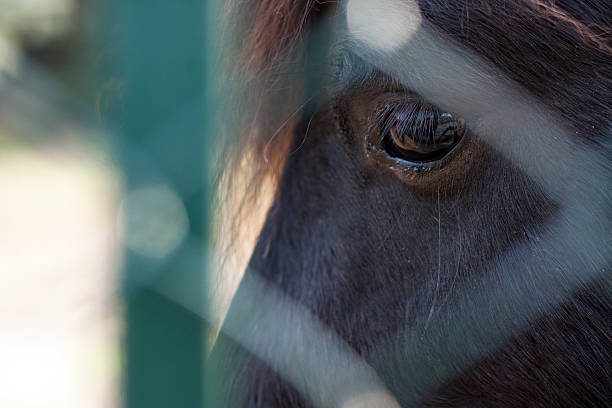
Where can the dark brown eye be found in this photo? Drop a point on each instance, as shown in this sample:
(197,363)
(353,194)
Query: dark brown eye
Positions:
(414,132)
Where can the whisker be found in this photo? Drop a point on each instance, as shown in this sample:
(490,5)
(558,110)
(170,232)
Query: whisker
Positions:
(304,138)
(267,146)
(433,304)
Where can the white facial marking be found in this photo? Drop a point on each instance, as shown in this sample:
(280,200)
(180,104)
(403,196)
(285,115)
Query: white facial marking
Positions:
(383,24)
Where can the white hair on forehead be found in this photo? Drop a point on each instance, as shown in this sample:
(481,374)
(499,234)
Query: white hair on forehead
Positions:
(383,24)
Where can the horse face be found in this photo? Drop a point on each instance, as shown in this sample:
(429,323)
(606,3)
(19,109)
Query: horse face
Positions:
(401,226)
(373,246)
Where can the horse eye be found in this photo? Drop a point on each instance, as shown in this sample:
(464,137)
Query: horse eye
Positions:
(414,133)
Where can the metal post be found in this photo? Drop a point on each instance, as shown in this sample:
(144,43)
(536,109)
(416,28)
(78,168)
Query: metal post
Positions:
(156,50)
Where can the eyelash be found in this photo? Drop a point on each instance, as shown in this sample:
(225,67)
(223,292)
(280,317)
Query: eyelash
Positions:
(408,133)
(418,118)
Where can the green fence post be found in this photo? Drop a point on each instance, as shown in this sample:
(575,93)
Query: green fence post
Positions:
(156,50)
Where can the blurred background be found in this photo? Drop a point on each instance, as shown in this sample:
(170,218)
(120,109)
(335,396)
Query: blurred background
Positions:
(59,320)
(103,222)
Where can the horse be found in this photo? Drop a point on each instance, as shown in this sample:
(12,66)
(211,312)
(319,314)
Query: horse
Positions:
(439,231)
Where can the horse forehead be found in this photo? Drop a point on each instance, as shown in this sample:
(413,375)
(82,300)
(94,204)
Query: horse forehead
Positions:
(555,54)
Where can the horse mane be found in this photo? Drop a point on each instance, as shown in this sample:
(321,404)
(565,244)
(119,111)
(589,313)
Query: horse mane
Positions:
(260,88)
(265,82)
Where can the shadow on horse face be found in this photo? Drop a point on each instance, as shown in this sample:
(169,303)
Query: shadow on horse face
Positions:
(435,275)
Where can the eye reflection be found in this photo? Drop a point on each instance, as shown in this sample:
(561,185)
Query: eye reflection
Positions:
(413,132)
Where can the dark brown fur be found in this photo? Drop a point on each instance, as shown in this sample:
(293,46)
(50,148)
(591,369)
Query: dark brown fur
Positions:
(358,247)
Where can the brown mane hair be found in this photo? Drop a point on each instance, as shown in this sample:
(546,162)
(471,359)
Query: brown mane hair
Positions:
(260,88)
